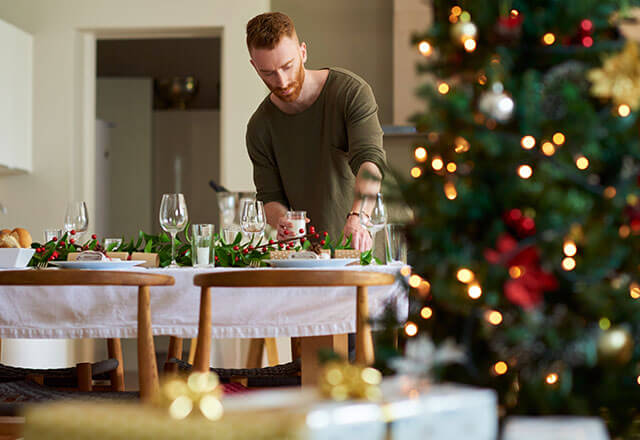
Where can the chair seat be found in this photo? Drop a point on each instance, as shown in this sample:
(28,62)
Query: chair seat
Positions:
(58,377)
(276,376)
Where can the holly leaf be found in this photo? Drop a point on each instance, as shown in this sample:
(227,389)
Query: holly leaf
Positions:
(149,246)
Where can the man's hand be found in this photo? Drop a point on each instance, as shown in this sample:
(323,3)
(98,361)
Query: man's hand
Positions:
(286,225)
(361,240)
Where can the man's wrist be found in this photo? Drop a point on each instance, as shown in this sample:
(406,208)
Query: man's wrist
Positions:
(355,213)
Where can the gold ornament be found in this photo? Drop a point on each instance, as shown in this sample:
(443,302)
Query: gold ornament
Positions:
(342,380)
(615,346)
(619,77)
(201,391)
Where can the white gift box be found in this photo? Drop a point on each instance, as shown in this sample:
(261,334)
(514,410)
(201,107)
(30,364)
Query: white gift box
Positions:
(555,428)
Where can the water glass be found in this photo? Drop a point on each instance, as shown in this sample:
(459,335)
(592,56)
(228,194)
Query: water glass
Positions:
(395,244)
(227,205)
(111,244)
(202,245)
(229,232)
(298,219)
(252,218)
(373,215)
(76,217)
(50,234)
(173,219)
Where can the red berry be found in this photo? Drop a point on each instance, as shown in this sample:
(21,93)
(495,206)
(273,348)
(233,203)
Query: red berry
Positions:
(216,258)
(185,252)
(237,258)
(301,230)
(94,236)
(235,248)
(55,254)
(312,230)
(317,235)
(55,239)
(50,258)
(325,233)
(271,241)
(73,232)
(302,240)
(286,232)
(323,242)
(245,251)
(281,245)
(251,248)
(72,240)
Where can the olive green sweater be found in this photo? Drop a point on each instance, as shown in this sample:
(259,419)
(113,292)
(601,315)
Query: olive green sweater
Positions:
(308,161)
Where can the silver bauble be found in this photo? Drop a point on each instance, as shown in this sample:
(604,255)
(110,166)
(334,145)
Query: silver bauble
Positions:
(496,104)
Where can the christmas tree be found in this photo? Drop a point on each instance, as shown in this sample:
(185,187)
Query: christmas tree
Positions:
(526,242)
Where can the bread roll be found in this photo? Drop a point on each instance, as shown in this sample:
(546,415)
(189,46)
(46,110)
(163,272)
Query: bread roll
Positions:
(23,237)
(3,231)
(8,241)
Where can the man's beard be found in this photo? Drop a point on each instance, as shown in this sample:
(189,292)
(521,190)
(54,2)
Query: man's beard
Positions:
(296,85)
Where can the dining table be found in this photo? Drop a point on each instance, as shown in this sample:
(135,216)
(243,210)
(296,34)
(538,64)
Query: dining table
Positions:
(69,312)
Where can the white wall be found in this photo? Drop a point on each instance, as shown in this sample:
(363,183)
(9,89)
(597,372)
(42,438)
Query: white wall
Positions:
(64,100)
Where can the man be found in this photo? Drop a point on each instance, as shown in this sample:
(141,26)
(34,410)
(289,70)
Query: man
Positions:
(315,140)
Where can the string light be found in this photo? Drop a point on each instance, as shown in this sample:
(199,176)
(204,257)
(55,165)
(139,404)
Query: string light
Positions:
(609,192)
(450,191)
(586,25)
(415,280)
(551,378)
(474,291)
(500,368)
(465,16)
(416,172)
(624,110)
(453,18)
(469,44)
(461,145)
(569,248)
(452,167)
(582,163)
(443,88)
(464,275)
(624,231)
(548,38)
(525,171)
(634,290)
(437,163)
(558,138)
(528,142)
(456,10)
(638,380)
(548,149)
(514,13)
(568,264)
(426,312)
(587,41)
(425,48)
(424,288)
(604,323)
(420,154)
(516,272)
(493,317)
(405,271)
(410,329)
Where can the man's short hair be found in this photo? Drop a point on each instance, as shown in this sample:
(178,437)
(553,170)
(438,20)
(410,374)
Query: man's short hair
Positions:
(264,31)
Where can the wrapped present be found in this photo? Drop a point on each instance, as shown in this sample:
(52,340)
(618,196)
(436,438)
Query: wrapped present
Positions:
(554,428)
(346,253)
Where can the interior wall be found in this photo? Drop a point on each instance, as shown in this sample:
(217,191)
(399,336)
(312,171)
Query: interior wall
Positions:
(356,35)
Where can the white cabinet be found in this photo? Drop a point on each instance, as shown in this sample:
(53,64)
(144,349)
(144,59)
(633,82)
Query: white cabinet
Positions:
(16,99)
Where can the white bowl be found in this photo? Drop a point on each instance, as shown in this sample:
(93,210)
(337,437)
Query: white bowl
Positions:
(15,257)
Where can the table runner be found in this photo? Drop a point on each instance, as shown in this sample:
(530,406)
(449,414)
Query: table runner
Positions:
(110,312)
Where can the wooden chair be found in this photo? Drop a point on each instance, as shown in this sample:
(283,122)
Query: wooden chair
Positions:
(147,369)
(294,278)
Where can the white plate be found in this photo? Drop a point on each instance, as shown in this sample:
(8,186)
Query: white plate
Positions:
(97,265)
(329,262)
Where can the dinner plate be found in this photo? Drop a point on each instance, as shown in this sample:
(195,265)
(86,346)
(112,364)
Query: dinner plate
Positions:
(97,265)
(328,262)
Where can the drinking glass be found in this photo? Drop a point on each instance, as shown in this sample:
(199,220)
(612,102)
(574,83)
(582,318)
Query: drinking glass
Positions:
(76,217)
(373,215)
(111,244)
(229,232)
(395,244)
(202,244)
(253,218)
(173,219)
(49,234)
(227,205)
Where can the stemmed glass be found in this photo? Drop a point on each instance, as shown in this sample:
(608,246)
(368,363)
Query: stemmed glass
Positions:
(252,218)
(173,219)
(76,217)
(373,215)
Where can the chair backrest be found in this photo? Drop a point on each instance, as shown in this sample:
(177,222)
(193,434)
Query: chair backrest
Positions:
(67,277)
(292,278)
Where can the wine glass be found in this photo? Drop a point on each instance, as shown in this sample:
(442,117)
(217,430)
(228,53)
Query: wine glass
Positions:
(373,215)
(252,218)
(173,219)
(76,217)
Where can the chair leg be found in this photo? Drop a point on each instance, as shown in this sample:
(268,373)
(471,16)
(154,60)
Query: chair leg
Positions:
(272,351)
(203,349)
(147,368)
(364,340)
(295,348)
(85,381)
(175,351)
(192,350)
(114,350)
(254,358)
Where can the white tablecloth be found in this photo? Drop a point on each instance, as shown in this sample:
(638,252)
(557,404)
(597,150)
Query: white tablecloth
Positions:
(111,312)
